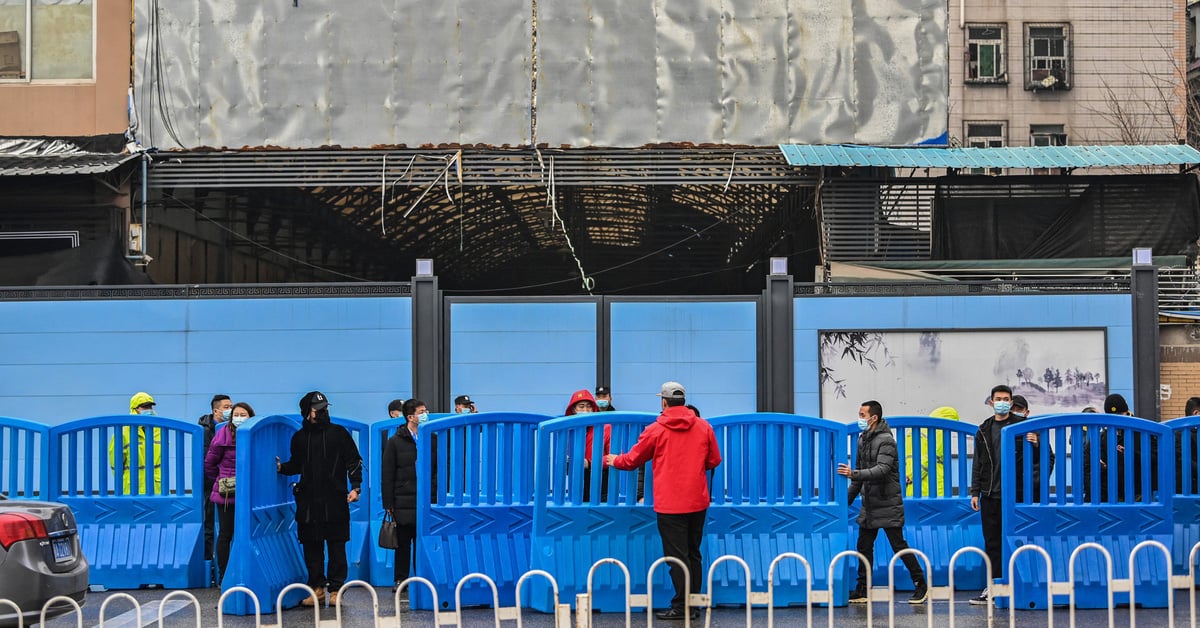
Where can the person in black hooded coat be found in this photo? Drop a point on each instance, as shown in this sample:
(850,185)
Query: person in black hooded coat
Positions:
(398,486)
(325,457)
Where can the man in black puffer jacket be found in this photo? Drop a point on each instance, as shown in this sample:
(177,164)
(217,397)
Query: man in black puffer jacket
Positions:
(398,486)
(325,457)
(876,477)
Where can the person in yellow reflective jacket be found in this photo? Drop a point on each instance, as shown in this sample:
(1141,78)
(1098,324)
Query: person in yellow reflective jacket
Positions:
(141,403)
(944,412)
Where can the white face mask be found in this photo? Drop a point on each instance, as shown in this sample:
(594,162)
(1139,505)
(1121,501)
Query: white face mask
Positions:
(238,420)
(148,411)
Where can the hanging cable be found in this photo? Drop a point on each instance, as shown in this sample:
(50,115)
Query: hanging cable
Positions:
(588,283)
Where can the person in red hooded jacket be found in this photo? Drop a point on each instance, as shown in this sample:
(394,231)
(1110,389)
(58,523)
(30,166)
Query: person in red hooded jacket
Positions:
(683,448)
(581,402)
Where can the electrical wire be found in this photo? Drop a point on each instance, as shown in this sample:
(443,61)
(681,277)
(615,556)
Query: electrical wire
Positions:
(156,77)
(263,246)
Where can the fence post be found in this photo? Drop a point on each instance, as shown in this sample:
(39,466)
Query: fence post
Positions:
(1143,285)
(427,342)
(776,347)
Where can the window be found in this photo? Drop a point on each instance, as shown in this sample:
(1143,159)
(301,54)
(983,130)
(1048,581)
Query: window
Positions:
(985,54)
(1047,135)
(985,135)
(47,40)
(1048,47)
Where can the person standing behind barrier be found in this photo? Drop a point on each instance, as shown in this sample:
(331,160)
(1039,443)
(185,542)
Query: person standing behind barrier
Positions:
(220,461)
(1191,409)
(985,478)
(604,399)
(398,486)
(877,478)
(1020,409)
(141,404)
(221,407)
(922,456)
(583,402)
(464,405)
(683,448)
(325,457)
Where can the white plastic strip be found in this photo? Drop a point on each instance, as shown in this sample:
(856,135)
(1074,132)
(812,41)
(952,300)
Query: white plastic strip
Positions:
(374,600)
(987,570)
(1191,583)
(711,569)
(628,591)
(13,605)
(808,601)
(458,596)
(59,599)
(862,561)
(432,591)
(687,586)
(279,602)
(123,596)
(253,598)
(892,584)
(1133,583)
(1108,579)
(180,594)
(1012,598)
(553,586)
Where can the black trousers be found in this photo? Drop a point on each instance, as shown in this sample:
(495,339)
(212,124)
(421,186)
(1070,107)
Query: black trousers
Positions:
(895,537)
(316,538)
(224,538)
(681,536)
(989,510)
(404,554)
(208,525)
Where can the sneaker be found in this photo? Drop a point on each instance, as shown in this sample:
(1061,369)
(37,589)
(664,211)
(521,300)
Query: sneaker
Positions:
(318,597)
(859,596)
(676,614)
(920,593)
(982,599)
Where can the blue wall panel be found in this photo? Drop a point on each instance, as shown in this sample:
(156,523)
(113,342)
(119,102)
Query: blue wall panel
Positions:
(522,357)
(82,358)
(813,314)
(711,348)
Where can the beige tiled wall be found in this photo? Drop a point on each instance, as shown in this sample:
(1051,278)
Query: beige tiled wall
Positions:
(1135,47)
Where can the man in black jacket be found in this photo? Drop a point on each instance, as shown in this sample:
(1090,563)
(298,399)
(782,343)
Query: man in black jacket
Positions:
(325,457)
(985,477)
(221,407)
(876,477)
(398,487)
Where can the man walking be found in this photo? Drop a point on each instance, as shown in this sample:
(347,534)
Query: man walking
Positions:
(325,457)
(876,477)
(683,448)
(985,477)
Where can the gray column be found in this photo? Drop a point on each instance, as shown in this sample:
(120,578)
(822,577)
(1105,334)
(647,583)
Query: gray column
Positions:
(1143,284)
(428,345)
(776,359)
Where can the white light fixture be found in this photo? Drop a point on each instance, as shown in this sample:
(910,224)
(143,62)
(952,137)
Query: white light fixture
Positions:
(779,266)
(1143,256)
(424,268)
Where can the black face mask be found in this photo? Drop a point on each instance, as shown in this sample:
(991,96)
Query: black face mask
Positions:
(322,416)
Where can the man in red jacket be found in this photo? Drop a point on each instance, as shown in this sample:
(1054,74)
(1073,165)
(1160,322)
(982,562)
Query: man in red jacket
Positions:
(683,448)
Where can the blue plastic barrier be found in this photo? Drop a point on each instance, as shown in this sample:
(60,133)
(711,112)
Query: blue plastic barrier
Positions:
(571,533)
(380,561)
(266,554)
(1118,506)
(938,518)
(24,459)
(140,515)
(777,491)
(1187,492)
(483,516)
(358,549)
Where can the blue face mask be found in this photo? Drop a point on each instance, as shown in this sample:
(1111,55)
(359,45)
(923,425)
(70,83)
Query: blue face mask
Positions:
(422,418)
(1001,407)
(603,403)
(225,413)
(148,411)
(863,424)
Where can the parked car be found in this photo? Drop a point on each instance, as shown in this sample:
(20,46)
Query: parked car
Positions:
(40,558)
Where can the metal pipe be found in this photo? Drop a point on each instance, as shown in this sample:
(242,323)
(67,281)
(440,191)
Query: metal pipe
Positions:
(145,168)
(962,14)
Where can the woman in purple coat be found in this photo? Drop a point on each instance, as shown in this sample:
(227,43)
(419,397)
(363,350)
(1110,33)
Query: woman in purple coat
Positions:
(221,462)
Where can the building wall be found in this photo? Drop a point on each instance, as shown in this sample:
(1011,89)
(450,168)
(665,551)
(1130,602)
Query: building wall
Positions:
(1136,47)
(77,108)
(1179,367)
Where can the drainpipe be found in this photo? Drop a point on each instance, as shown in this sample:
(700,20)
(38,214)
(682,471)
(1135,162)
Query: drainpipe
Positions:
(962,14)
(141,258)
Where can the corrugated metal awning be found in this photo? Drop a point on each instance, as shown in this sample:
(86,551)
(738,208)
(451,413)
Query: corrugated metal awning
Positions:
(1007,157)
(34,157)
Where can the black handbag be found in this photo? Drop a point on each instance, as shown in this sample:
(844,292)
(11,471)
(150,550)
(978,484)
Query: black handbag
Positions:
(389,537)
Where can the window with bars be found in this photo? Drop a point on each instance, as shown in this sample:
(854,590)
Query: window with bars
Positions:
(1048,50)
(985,54)
(985,135)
